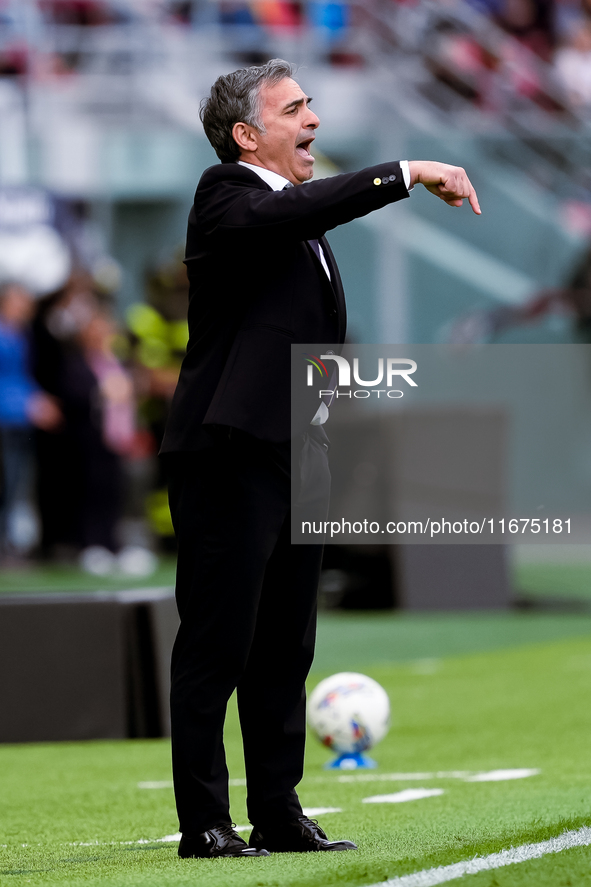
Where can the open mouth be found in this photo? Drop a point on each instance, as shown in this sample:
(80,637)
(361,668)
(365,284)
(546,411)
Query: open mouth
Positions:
(303,148)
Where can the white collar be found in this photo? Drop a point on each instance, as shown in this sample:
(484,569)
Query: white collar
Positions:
(273,179)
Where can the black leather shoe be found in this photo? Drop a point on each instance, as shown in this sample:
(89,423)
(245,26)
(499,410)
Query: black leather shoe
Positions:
(300,835)
(216,842)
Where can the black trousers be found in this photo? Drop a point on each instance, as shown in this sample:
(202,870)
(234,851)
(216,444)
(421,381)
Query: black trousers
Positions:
(247,602)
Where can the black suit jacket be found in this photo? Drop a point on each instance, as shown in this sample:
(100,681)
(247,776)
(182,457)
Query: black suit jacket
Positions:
(257,287)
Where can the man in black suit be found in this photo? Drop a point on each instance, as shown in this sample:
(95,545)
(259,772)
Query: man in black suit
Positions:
(262,277)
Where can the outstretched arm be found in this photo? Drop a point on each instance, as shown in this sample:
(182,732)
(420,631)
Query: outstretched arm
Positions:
(450,183)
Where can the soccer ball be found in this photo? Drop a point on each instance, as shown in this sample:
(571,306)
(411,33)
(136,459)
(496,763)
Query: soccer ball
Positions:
(349,712)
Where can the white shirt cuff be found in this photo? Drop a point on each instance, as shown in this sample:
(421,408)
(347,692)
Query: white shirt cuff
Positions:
(405,173)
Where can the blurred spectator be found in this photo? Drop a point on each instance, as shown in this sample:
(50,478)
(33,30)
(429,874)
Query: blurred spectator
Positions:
(159,337)
(277,14)
(487,7)
(568,14)
(531,22)
(59,319)
(456,58)
(181,12)
(331,17)
(573,66)
(22,405)
(99,412)
(79,12)
(14,60)
(332,22)
(86,472)
(234,12)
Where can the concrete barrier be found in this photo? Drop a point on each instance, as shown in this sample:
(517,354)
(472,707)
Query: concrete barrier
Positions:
(85,666)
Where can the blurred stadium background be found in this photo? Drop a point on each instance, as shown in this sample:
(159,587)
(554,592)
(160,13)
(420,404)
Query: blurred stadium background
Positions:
(100,151)
(101,148)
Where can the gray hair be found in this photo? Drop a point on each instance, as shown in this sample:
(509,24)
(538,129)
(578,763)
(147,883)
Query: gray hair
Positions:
(236,98)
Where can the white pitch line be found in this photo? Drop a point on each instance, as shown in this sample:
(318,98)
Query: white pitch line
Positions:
(167,839)
(403,777)
(444,873)
(502,775)
(409,794)
(357,777)
(466,775)
(162,783)
(318,811)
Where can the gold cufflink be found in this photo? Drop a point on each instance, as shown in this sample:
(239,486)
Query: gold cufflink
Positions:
(377,181)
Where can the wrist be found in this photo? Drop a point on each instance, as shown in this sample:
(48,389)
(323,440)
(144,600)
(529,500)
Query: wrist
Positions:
(418,171)
(414,169)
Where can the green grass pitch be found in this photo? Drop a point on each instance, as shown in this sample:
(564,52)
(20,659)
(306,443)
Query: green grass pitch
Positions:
(469,693)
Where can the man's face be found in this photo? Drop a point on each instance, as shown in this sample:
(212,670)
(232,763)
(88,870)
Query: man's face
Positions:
(290,124)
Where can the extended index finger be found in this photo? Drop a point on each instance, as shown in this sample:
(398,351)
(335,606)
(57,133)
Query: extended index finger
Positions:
(473,200)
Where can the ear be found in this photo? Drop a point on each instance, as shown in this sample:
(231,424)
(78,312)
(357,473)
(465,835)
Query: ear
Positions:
(245,137)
